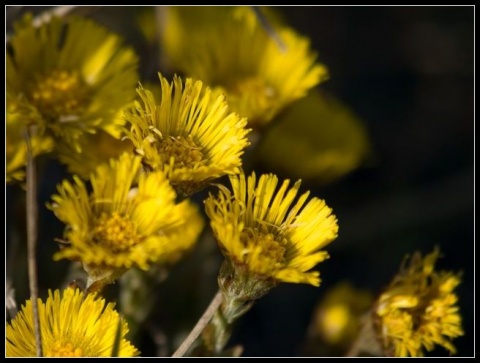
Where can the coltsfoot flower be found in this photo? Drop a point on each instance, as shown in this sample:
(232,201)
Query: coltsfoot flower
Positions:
(182,238)
(69,77)
(338,316)
(72,325)
(138,288)
(316,139)
(230,50)
(123,222)
(188,133)
(97,149)
(265,237)
(419,309)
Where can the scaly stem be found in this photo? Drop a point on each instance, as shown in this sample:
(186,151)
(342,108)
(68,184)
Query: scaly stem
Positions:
(239,290)
(201,324)
(31,210)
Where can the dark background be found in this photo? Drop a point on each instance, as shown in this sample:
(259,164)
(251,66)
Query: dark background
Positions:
(408,73)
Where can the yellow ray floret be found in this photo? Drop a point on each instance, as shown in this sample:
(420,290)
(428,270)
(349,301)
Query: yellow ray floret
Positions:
(263,230)
(69,77)
(72,325)
(188,133)
(97,149)
(419,309)
(230,50)
(123,222)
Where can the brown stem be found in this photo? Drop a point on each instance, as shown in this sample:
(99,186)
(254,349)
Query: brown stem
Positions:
(354,350)
(31,210)
(201,324)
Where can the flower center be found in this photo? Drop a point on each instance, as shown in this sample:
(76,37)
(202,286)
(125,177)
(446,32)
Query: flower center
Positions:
(59,94)
(185,152)
(115,232)
(266,252)
(255,86)
(251,96)
(67,350)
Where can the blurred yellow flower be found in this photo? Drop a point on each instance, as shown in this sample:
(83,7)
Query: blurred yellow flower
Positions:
(230,50)
(264,236)
(337,317)
(16,147)
(124,222)
(72,325)
(419,309)
(182,238)
(189,133)
(69,77)
(317,138)
(97,149)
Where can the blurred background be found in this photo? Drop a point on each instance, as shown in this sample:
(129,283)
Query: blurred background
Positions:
(407,73)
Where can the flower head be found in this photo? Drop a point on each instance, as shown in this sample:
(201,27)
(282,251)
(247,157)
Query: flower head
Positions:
(317,139)
(262,233)
(69,77)
(419,309)
(337,317)
(72,325)
(97,149)
(124,222)
(189,133)
(182,238)
(259,74)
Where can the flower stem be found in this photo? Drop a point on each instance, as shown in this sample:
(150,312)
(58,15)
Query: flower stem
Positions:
(366,341)
(31,210)
(354,350)
(201,324)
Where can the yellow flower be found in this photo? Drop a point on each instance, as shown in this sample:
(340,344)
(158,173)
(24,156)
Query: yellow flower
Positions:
(229,49)
(97,149)
(189,134)
(337,317)
(72,325)
(124,222)
(137,293)
(16,147)
(182,238)
(258,229)
(419,309)
(317,138)
(69,78)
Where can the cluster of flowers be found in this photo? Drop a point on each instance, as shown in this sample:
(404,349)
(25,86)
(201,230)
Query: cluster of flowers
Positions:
(137,159)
